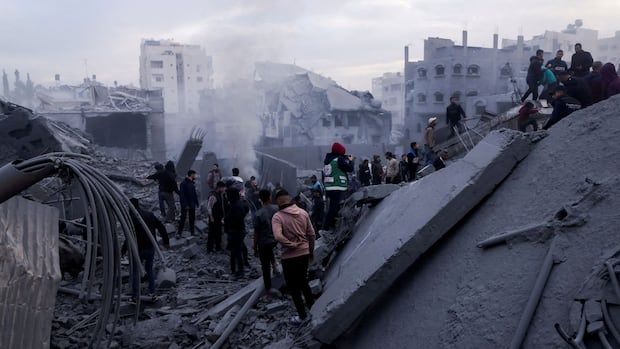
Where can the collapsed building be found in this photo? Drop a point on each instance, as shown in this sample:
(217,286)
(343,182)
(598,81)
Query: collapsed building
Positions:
(99,110)
(302,111)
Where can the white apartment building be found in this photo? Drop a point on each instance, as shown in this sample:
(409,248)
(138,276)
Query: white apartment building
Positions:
(565,40)
(390,90)
(609,49)
(181,71)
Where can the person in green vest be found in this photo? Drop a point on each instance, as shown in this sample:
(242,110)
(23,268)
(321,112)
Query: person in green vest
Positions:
(336,180)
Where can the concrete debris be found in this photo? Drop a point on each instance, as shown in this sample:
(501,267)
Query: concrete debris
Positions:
(276,307)
(30,273)
(420,214)
(480,294)
(191,251)
(201,226)
(354,209)
(166,278)
(316,287)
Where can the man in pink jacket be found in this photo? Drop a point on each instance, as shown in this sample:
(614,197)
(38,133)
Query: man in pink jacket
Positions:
(293,229)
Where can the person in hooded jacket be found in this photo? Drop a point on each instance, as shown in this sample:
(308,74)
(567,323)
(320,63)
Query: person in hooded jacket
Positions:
(293,229)
(336,180)
(534,75)
(595,80)
(171,169)
(610,80)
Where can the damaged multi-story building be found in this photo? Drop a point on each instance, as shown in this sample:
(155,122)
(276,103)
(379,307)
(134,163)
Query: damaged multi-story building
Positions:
(99,110)
(300,108)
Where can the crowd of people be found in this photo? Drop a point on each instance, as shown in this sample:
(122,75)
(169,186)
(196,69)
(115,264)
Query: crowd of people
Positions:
(566,88)
(236,206)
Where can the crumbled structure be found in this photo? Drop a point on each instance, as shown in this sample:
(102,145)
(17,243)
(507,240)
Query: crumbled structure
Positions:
(299,107)
(553,222)
(99,111)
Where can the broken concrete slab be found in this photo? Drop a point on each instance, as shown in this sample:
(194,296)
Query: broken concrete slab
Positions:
(201,226)
(316,287)
(238,298)
(176,244)
(419,214)
(191,251)
(166,278)
(223,323)
(29,273)
(276,307)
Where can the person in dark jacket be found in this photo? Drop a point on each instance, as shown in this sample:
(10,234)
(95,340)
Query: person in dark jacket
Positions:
(215,175)
(318,210)
(336,180)
(581,62)
(234,225)
(377,170)
(171,169)
(440,160)
(557,65)
(167,187)
(216,208)
(563,106)
(403,168)
(413,161)
(145,246)
(577,88)
(364,174)
(610,80)
(524,119)
(454,114)
(189,201)
(264,242)
(534,75)
(595,81)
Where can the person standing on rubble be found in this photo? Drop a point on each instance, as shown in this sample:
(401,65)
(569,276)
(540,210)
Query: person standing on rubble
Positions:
(391,172)
(577,88)
(377,170)
(363,173)
(318,209)
(145,246)
(167,187)
(429,141)
(171,169)
(293,230)
(595,81)
(336,180)
(234,224)
(264,242)
(215,208)
(563,106)
(581,62)
(534,75)
(403,169)
(454,114)
(557,65)
(189,202)
(215,175)
(413,161)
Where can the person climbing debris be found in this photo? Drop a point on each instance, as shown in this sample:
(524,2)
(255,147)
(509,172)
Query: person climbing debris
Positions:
(454,115)
(563,106)
(167,187)
(524,119)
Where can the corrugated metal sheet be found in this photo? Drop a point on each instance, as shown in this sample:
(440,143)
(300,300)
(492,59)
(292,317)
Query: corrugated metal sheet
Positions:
(29,273)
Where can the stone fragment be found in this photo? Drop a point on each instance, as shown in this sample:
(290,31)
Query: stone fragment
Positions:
(592,310)
(273,308)
(316,287)
(191,251)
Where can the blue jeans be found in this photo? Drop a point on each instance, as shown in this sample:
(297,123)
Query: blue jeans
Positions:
(147,256)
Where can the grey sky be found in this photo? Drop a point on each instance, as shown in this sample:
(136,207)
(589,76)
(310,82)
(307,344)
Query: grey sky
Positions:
(350,41)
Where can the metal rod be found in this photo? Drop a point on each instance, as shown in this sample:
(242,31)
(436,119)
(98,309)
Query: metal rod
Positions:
(532,302)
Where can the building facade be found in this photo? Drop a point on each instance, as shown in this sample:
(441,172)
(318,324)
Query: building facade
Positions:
(468,73)
(390,90)
(609,49)
(180,71)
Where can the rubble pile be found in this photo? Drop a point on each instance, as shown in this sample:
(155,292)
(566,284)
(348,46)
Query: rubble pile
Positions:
(534,264)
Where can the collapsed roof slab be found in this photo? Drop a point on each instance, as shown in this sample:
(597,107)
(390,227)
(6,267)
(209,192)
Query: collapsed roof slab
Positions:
(406,224)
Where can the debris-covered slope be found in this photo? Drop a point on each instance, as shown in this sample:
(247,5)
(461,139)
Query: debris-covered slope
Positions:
(461,296)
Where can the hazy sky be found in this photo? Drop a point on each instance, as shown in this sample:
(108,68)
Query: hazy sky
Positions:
(349,41)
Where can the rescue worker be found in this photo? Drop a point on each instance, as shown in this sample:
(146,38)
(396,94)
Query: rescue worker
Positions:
(336,168)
